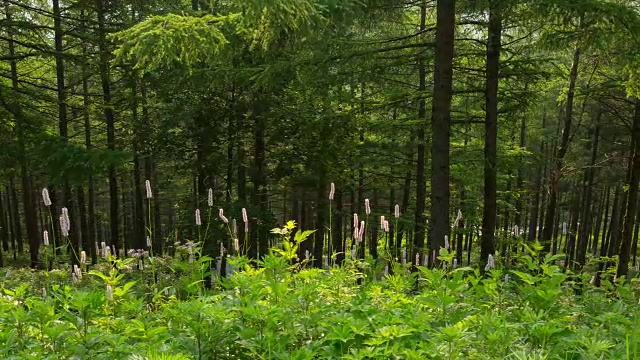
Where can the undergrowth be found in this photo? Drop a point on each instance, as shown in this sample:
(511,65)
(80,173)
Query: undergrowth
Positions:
(280,308)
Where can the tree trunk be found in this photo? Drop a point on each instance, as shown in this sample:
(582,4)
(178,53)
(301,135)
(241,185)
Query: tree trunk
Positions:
(139,240)
(259,178)
(105,79)
(337,238)
(15,109)
(4,226)
(441,123)
(583,235)
(556,170)
(11,200)
(632,197)
(421,186)
(601,224)
(487,242)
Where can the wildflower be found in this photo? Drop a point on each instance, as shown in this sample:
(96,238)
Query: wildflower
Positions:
(355,220)
(198,219)
(236,245)
(234,226)
(381,222)
(65,223)
(356,234)
(221,249)
(245,217)
(148,241)
(417,259)
(361,232)
(109,292)
(353,252)
(490,263)
(307,254)
(74,278)
(455,263)
(446,242)
(210,198)
(147,185)
(222,217)
(386,226)
(332,192)
(83,257)
(367,207)
(107,252)
(245,220)
(45,197)
(140,265)
(45,238)
(77,271)
(458,218)
(44,292)
(404,255)
(397,211)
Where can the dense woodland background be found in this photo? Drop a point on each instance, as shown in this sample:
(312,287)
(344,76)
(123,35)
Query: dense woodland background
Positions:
(491,122)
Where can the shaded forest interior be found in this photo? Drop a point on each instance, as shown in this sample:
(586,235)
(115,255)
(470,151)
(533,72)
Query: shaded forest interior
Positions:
(477,125)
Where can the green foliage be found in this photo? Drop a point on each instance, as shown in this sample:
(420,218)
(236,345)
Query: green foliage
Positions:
(271,312)
(162,42)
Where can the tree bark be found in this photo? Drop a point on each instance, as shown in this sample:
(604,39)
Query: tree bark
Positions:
(260,199)
(109,115)
(421,186)
(441,122)
(556,170)
(487,242)
(583,235)
(632,197)
(27,202)
(4,226)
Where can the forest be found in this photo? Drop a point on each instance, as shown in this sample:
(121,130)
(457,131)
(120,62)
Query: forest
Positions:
(319,179)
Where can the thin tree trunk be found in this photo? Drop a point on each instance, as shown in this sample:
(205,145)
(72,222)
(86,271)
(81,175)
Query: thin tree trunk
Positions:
(421,186)
(601,224)
(583,236)
(109,116)
(11,216)
(556,170)
(519,216)
(4,228)
(338,239)
(259,178)
(374,226)
(139,240)
(632,201)
(634,247)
